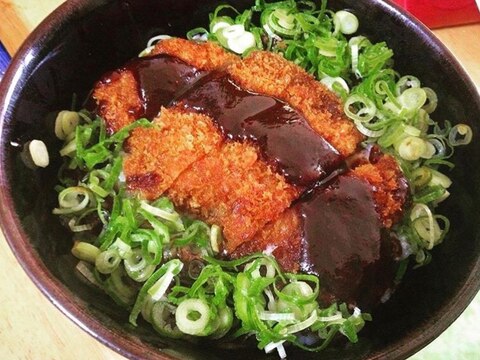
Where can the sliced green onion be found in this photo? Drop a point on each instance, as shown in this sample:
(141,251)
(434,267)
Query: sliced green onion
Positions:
(302,325)
(333,318)
(432,100)
(219,23)
(425,225)
(242,43)
(156,39)
(413,98)
(107,261)
(215,238)
(162,318)
(38,153)
(86,270)
(329,81)
(193,317)
(406,82)
(348,22)
(440,179)
(137,267)
(274,316)
(74,199)
(460,134)
(354,44)
(74,225)
(412,148)
(124,250)
(224,322)
(364,107)
(169,216)
(421,176)
(65,123)
(198,34)
(367,132)
(233,31)
(157,290)
(85,251)
(69,149)
(122,293)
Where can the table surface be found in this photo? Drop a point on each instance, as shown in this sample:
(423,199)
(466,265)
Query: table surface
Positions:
(32,328)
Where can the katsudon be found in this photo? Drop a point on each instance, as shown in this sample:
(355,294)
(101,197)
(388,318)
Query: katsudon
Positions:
(254,185)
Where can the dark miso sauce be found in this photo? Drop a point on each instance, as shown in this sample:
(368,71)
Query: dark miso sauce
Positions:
(346,245)
(160,79)
(286,140)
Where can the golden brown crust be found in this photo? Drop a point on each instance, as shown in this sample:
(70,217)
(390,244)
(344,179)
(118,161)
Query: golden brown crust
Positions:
(390,190)
(266,73)
(231,187)
(202,55)
(283,236)
(117,94)
(158,155)
(270,74)
(117,99)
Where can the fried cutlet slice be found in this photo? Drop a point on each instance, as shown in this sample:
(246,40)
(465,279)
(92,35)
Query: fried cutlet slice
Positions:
(117,98)
(389,192)
(233,188)
(389,187)
(270,74)
(282,238)
(157,155)
(117,95)
(203,55)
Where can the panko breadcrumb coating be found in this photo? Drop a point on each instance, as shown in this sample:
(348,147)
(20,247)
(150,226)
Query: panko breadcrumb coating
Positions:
(270,74)
(117,98)
(159,154)
(117,94)
(203,55)
(284,235)
(389,186)
(233,188)
(282,238)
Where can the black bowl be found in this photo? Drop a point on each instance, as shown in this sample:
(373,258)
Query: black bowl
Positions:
(85,38)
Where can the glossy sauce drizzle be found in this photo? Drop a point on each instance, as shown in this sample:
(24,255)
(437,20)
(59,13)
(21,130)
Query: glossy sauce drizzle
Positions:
(286,140)
(345,243)
(160,79)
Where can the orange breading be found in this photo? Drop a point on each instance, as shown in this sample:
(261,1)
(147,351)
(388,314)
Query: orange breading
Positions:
(270,74)
(266,73)
(390,189)
(203,55)
(231,187)
(283,236)
(118,99)
(324,112)
(117,94)
(157,155)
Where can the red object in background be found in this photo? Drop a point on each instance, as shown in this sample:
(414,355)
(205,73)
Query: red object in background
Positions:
(439,13)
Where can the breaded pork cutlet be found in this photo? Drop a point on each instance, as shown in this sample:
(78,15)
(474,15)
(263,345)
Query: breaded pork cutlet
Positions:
(117,94)
(157,155)
(233,188)
(226,184)
(389,192)
(202,55)
(270,74)
(389,187)
(282,238)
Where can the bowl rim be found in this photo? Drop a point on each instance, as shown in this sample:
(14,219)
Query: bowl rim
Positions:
(58,294)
